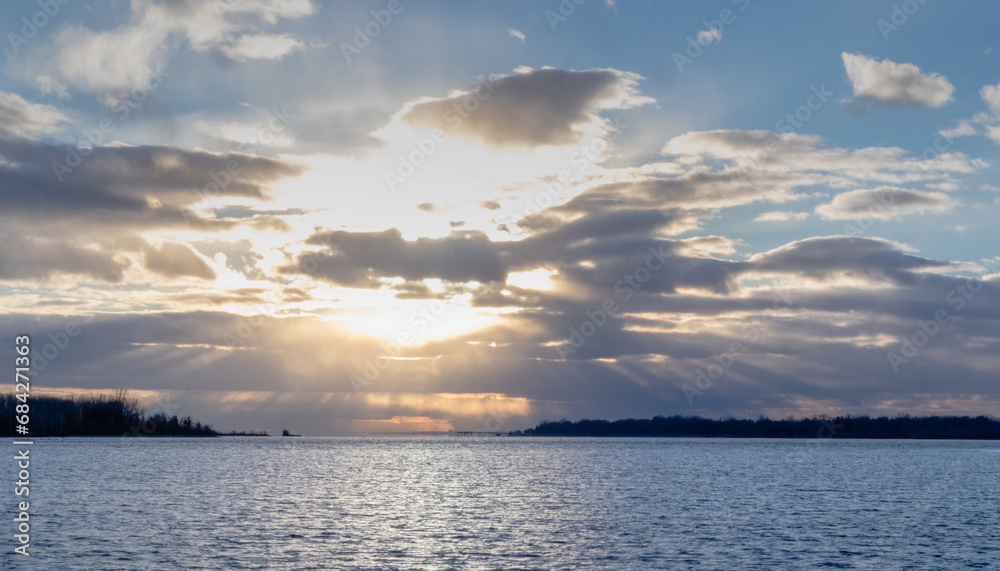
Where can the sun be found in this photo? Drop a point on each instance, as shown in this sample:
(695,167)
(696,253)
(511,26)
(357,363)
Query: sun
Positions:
(414,322)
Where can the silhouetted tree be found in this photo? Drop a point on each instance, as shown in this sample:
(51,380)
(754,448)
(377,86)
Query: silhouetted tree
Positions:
(101,415)
(904,426)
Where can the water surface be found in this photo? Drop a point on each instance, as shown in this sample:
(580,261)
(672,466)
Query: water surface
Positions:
(512,503)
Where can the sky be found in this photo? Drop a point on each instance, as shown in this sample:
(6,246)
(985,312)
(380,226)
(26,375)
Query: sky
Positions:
(392,216)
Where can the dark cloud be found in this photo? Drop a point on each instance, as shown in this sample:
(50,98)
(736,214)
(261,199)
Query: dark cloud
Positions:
(29,258)
(530,109)
(128,185)
(634,365)
(81,224)
(415,290)
(825,256)
(679,301)
(361,259)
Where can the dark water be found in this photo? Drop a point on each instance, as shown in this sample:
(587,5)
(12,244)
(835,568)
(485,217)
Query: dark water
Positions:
(511,503)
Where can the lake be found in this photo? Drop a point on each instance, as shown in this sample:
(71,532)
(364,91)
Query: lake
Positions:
(510,503)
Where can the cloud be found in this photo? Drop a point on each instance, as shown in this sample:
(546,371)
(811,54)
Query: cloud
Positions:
(38,258)
(852,297)
(781,216)
(986,123)
(720,169)
(516,34)
(250,130)
(991,95)
(21,118)
(991,122)
(261,46)
(710,36)
(884,203)
(530,108)
(993,132)
(821,257)
(634,365)
(48,86)
(827,340)
(130,185)
(173,259)
(893,84)
(363,259)
(758,153)
(735,144)
(121,58)
(92,222)
(963,129)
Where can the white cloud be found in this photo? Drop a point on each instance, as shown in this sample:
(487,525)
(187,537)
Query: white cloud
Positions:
(48,86)
(781,216)
(21,118)
(120,58)
(794,155)
(963,129)
(893,84)
(261,46)
(947,186)
(993,132)
(516,34)
(710,36)
(988,122)
(991,95)
(884,203)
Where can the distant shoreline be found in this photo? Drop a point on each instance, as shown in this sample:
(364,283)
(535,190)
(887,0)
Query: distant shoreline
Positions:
(750,437)
(841,427)
(515,435)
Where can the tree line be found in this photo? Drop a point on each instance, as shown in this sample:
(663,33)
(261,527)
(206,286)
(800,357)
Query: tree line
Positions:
(115,414)
(905,426)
